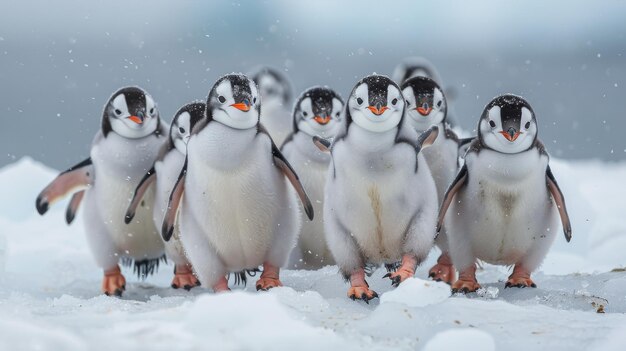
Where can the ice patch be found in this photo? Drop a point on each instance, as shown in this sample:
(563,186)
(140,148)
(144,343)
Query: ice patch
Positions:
(416,292)
(461,339)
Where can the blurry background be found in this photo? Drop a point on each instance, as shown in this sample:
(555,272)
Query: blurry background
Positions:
(61,60)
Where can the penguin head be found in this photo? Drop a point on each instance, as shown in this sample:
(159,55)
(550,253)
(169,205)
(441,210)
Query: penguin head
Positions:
(234,101)
(508,124)
(318,112)
(425,102)
(130,112)
(273,86)
(184,119)
(376,104)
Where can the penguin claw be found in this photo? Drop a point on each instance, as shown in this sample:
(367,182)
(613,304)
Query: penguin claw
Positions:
(465,286)
(387,275)
(113,283)
(264,284)
(184,278)
(442,272)
(361,293)
(520,281)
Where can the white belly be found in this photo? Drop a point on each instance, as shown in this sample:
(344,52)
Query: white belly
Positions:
(505,208)
(119,165)
(236,195)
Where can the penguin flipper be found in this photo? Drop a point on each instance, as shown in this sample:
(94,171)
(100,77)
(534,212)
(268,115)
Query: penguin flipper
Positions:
(281,162)
(464,145)
(559,200)
(143,185)
(79,175)
(427,138)
(172,207)
(321,143)
(457,184)
(72,207)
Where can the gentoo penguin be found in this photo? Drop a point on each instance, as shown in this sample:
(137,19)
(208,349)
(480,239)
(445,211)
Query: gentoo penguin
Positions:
(425,107)
(503,206)
(420,67)
(164,174)
(238,210)
(380,203)
(123,150)
(276,91)
(316,112)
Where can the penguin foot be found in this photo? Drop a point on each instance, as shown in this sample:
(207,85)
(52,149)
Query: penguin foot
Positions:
(269,278)
(113,283)
(467,281)
(184,278)
(359,289)
(221,285)
(520,278)
(443,271)
(362,293)
(406,270)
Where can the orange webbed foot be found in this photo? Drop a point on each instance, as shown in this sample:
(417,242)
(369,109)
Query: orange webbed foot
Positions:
(113,283)
(443,271)
(520,279)
(184,278)
(406,270)
(361,293)
(467,281)
(269,278)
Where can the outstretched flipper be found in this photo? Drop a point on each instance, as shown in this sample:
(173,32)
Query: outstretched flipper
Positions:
(80,175)
(72,207)
(557,195)
(172,207)
(427,138)
(321,143)
(457,184)
(144,184)
(281,162)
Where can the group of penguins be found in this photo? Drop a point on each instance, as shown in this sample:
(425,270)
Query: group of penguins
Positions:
(240,185)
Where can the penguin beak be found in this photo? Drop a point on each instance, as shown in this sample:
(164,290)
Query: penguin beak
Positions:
(378,110)
(424,110)
(511,134)
(241,106)
(322,120)
(136,119)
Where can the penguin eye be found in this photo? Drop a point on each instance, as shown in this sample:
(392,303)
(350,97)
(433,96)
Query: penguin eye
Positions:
(152,111)
(394,101)
(221,99)
(118,112)
(181,129)
(254,100)
(304,113)
(337,114)
(359,101)
(439,103)
(527,125)
(492,124)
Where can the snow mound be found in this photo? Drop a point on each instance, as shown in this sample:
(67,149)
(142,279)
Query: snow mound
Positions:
(416,292)
(461,339)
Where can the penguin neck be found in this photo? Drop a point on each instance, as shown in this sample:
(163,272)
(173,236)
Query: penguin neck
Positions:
(371,142)
(422,125)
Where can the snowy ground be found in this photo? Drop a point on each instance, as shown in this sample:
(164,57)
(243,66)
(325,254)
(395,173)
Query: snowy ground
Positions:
(50,297)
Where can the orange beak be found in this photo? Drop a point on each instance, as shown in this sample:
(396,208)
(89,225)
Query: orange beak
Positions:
(424,111)
(241,106)
(376,111)
(510,137)
(136,119)
(322,120)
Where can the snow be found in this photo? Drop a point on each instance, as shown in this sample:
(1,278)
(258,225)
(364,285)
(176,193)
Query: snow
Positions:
(50,297)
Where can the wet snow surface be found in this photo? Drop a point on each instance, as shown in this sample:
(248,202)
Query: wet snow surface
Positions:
(50,291)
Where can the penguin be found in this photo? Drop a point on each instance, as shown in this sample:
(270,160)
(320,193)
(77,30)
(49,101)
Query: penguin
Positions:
(123,150)
(238,211)
(163,175)
(317,112)
(380,200)
(503,207)
(426,106)
(421,67)
(276,92)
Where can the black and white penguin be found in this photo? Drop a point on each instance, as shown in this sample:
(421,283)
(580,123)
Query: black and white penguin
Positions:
(380,203)
(426,107)
(276,92)
(420,67)
(238,211)
(503,206)
(164,175)
(317,112)
(123,150)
